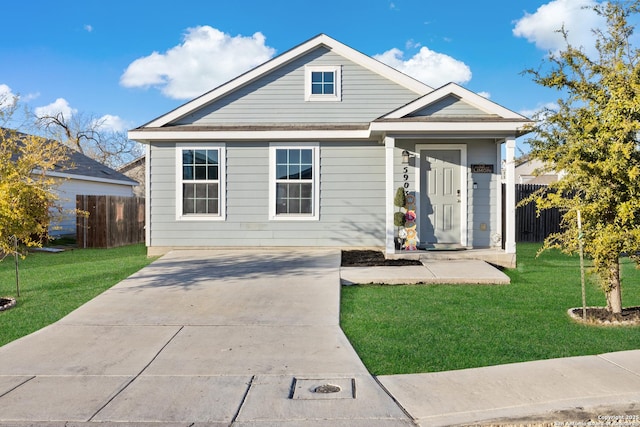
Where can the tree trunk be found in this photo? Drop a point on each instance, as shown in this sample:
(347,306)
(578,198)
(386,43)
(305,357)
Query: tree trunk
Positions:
(613,293)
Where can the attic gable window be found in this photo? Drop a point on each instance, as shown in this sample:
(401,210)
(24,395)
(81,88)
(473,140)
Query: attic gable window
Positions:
(323,83)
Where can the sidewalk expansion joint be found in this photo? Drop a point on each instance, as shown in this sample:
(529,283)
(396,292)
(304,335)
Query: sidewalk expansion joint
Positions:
(413,419)
(244,399)
(117,393)
(601,356)
(17,386)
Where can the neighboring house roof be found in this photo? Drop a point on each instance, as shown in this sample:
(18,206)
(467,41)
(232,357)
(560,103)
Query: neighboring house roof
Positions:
(531,171)
(80,166)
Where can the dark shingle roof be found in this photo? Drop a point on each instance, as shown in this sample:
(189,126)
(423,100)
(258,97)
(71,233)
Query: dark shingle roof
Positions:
(80,165)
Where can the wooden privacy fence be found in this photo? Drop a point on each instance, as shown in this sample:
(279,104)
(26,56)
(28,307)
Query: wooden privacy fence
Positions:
(529,226)
(112,221)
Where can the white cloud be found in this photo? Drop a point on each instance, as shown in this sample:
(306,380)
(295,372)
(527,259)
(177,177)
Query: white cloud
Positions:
(205,59)
(59,106)
(88,28)
(7,97)
(432,68)
(113,123)
(541,27)
(485,94)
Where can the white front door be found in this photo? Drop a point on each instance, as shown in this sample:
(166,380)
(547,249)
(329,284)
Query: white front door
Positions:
(440,196)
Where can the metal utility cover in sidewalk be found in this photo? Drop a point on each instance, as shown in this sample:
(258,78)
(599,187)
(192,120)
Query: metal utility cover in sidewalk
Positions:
(323,389)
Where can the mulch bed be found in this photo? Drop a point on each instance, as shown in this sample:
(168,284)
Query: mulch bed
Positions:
(6,303)
(372,259)
(600,315)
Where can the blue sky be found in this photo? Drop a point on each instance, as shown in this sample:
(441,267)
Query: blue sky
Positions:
(130,62)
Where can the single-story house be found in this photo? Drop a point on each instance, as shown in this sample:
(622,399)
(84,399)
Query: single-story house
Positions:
(83,175)
(309,149)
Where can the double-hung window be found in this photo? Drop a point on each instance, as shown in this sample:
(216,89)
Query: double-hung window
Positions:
(201,183)
(294,182)
(323,83)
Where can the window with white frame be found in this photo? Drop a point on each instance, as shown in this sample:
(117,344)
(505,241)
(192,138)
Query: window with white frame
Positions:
(323,83)
(293,183)
(200,183)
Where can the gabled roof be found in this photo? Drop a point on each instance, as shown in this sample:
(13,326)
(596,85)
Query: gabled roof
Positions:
(472,98)
(321,40)
(83,167)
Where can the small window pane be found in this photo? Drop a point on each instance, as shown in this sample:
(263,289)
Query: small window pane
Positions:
(201,172)
(307,173)
(212,172)
(212,208)
(294,206)
(187,172)
(305,206)
(316,76)
(188,190)
(328,88)
(201,156)
(316,89)
(187,206)
(328,77)
(307,156)
(281,172)
(201,191)
(212,157)
(294,156)
(306,190)
(281,157)
(294,172)
(187,157)
(201,206)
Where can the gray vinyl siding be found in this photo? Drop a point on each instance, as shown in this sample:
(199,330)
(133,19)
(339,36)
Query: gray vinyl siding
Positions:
(352,201)
(279,97)
(482,202)
(450,106)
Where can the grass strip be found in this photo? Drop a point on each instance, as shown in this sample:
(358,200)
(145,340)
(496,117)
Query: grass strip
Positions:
(54,284)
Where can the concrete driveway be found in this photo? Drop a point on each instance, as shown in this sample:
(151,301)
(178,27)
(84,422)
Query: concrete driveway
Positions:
(201,337)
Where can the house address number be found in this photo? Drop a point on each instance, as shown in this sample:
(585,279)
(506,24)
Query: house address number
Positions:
(481,168)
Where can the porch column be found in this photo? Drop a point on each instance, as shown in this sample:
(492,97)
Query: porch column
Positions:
(510,197)
(389,146)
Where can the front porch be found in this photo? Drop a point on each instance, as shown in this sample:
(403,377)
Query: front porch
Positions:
(494,256)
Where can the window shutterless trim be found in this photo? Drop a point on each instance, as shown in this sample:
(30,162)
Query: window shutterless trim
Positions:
(315,182)
(336,96)
(221,215)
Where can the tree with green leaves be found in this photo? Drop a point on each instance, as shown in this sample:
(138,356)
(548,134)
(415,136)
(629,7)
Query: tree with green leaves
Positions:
(592,139)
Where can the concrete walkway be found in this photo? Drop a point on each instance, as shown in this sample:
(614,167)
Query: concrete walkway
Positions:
(241,338)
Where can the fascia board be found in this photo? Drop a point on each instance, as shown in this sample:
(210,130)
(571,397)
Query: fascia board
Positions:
(466,95)
(148,136)
(453,127)
(288,56)
(89,178)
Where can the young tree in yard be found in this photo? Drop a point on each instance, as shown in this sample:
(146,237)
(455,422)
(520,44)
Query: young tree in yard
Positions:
(26,192)
(593,138)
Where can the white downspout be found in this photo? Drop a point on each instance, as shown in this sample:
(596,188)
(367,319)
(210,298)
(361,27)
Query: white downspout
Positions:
(389,146)
(510,197)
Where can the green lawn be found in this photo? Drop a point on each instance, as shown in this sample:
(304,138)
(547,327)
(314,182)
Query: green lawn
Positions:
(410,329)
(52,285)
